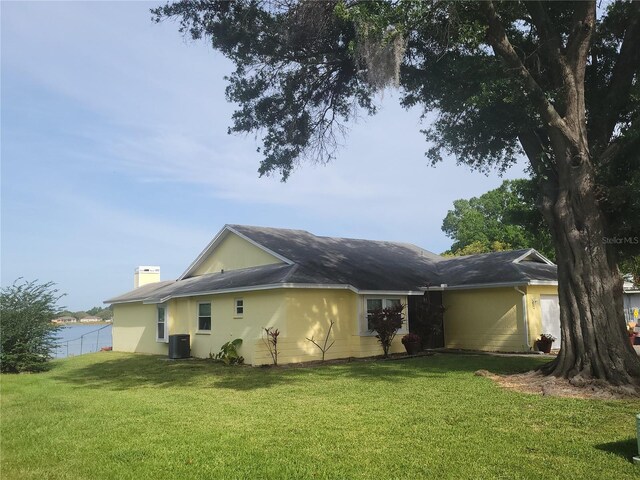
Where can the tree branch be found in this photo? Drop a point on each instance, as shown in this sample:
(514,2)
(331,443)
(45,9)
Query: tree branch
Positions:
(497,38)
(577,51)
(550,39)
(619,88)
(536,146)
(583,23)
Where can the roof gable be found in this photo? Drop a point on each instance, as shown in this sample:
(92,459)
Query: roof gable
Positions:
(532,255)
(231,250)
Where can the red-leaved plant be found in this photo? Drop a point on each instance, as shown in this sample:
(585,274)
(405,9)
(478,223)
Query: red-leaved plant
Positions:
(270,338)
(411,338)
(386,322)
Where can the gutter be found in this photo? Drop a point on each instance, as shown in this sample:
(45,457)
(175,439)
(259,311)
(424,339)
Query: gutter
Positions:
(270,286)
(150,300)
(525,318)
(473,286)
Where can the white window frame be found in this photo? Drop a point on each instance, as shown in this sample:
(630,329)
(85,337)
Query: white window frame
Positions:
(364,321)
(165,323)
(198,330)
(237,314)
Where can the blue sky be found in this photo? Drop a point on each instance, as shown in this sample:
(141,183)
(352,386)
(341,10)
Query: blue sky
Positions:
(115,154)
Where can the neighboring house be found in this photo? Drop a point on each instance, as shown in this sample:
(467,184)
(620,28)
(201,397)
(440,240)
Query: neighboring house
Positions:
(65,319)
(631,302)
(249,278)
(90,319)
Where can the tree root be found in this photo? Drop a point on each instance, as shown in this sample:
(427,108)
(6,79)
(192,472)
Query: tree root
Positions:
(536,382)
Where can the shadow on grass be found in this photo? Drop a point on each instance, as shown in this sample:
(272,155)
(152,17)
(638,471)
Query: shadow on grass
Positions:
(469,363)
(623,448)
(139,371)
(389,371)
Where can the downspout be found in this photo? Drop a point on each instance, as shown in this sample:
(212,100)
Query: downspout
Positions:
(525,319)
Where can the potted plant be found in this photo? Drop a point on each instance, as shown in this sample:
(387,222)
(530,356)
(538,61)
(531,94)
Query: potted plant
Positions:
(412,343)
(545,341)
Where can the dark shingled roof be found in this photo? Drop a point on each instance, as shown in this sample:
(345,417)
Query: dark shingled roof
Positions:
(495,267)
(365,265)
(140,293)
(229,280)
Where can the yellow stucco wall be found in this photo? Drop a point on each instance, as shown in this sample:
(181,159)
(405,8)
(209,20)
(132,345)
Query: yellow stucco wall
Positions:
(134,329)
(261,309)
(534,313)
(484,319)
(134,324)
(234,253)
(296,313)
(308,314)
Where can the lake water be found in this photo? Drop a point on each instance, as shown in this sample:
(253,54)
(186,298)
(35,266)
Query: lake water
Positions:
(78,339)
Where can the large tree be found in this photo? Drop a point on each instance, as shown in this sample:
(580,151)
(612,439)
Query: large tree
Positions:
(501,219)
(557,81)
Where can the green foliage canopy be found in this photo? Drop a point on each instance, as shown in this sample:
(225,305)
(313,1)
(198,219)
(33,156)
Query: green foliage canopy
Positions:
(300,78)
(501,219)
(103,313)
(28,336)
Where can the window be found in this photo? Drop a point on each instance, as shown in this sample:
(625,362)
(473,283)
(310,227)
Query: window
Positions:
(161,324)
(239,307)
(204,317)
(377,303)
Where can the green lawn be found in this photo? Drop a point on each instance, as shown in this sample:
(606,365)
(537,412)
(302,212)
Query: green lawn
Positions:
(110,415)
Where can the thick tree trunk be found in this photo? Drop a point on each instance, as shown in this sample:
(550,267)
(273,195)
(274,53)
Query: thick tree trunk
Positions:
(594,343)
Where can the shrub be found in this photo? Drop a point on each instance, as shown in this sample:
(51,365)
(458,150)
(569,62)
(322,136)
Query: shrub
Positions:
(228,353)
(28,336)
(386,322)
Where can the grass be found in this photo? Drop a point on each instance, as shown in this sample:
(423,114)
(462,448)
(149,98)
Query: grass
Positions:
(110,415)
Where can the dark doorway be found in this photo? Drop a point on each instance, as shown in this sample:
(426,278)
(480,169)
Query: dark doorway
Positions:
(426,315)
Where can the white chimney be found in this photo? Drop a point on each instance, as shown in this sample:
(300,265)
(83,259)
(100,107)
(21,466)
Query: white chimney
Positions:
(145,275)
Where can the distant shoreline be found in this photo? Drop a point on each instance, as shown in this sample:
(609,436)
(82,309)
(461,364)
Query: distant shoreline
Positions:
(78,324)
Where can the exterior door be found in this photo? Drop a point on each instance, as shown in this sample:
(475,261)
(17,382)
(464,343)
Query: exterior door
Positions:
(550,307)
(426,318)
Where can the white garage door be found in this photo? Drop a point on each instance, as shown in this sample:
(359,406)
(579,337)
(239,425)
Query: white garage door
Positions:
(551,317)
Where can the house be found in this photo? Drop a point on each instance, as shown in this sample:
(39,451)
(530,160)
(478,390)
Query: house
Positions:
(64,319)
(631,302)
(249,278)
(90,319)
